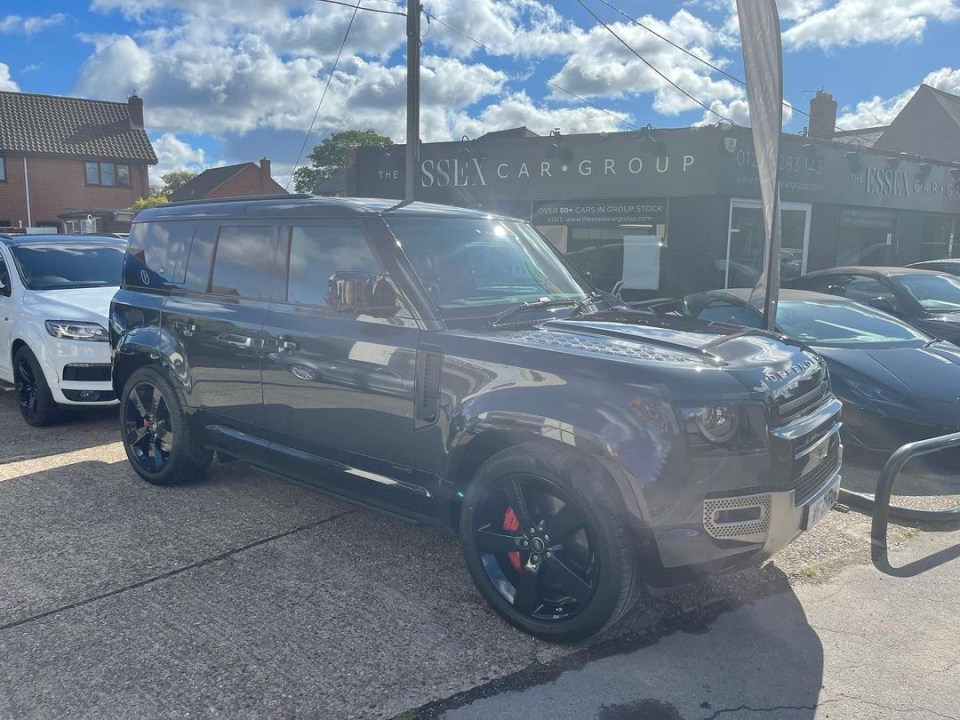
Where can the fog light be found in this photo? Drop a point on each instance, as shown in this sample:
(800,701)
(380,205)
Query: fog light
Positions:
(89,395)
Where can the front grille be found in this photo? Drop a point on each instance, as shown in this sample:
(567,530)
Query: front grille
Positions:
(87,373)
(797,404)
(712,507)
(807,485)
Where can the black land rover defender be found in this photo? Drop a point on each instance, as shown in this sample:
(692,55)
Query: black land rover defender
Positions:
(450,366)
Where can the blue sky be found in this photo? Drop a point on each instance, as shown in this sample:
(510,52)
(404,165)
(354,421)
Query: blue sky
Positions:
(228,81)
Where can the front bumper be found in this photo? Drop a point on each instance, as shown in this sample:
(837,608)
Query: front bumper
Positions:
(688,555)
(78,372)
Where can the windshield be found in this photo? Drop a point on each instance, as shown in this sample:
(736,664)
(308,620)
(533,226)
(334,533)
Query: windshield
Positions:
(484,263)
(936,293)
(58,267)
(845,325)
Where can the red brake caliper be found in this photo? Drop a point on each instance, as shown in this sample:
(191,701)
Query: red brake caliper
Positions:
(511,524)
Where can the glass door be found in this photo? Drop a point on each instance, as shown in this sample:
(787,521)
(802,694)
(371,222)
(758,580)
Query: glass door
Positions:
(745,242)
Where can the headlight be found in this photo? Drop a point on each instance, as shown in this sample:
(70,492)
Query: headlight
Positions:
(877,392)
(741,427)
(68,330)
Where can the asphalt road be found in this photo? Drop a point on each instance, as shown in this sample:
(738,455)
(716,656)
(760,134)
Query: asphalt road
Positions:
(245,596)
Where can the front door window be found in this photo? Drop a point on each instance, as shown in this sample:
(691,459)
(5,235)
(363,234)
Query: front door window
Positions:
(746,242)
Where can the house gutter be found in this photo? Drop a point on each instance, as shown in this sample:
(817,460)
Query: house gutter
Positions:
(26,187)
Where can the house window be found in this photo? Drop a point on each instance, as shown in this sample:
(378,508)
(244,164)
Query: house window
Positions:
(107,174)
(3,169)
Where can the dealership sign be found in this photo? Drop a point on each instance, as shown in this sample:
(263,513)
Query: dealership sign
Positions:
(595,214)
(661,163)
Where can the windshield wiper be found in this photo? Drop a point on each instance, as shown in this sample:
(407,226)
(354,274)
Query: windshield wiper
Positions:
(580,308)
(533,305)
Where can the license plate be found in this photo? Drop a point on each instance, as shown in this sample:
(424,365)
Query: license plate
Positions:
(819,509)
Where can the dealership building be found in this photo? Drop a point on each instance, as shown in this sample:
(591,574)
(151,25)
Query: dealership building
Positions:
(667,212)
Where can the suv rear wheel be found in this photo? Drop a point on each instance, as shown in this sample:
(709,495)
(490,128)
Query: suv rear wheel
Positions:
(546,544)
(157,436)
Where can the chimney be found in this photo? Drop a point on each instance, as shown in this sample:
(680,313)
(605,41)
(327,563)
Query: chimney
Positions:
(264,175)
(135,103)
(823,115)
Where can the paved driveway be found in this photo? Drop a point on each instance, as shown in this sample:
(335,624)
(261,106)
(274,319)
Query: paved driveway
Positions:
(245,596)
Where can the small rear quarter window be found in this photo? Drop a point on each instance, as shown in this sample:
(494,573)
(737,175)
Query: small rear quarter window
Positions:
(157,253)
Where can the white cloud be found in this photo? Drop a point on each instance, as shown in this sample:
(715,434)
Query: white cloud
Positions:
(6,81)
(857,22)
(881,111)
(738,112)
(174,154)
(518,109)
(29,25)
(602,66)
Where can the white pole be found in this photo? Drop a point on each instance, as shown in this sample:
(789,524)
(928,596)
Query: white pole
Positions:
(26,187)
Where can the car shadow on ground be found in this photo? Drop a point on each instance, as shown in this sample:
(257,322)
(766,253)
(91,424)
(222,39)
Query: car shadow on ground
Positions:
(730,644)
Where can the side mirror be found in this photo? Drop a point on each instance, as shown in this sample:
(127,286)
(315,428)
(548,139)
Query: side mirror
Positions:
(884,304)
(359,292)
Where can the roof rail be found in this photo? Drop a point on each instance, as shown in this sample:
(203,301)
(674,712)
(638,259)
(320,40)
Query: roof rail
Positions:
(239,198)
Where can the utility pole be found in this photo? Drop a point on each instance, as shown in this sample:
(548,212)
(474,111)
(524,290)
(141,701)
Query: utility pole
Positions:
(413,99)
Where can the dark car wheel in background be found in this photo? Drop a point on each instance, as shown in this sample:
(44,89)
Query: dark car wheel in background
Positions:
(33,394)
(546,544)
(156,434)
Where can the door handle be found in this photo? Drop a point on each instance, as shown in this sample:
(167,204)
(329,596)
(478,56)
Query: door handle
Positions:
(286,345)
(185,327)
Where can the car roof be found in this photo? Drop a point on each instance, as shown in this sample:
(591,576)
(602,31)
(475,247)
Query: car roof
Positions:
(59,239)
(941,261)
(697,302)
(871,270)
(305,206)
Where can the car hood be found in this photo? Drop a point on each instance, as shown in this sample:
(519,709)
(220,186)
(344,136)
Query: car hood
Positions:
(86,304)
(760,362)
(931,373)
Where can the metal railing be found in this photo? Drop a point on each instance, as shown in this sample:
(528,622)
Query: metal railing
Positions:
(883,513)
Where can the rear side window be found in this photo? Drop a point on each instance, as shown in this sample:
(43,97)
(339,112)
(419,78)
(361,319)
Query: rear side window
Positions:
(240,260)
(317,252)
(4,278)
(157,253)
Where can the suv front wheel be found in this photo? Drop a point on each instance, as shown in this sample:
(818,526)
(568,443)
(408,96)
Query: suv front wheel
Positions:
(546,544)
(33,394)
(157,436)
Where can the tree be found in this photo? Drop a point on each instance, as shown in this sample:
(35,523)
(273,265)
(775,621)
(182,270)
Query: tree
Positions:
(149,202)
(331,155)
(173,181)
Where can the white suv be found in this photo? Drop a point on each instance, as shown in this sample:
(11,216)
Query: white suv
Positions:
(55,293)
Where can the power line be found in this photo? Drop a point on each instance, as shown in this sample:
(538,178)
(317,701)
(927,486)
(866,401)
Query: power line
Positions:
(355,7)
(326,87)
(649,65)
(486,49)
(696,57)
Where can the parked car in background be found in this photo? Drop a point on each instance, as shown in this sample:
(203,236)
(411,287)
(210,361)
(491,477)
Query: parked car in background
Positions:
(897,384)
(449,366)
(951,266)
(55,293)
(928,300)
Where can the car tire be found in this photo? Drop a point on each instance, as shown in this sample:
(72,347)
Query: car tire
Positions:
(158,438)
(560,589)
(36,402)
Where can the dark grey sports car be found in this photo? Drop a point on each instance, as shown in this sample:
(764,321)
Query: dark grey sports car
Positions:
(897,384)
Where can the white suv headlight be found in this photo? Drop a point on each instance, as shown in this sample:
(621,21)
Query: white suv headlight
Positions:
(69,330)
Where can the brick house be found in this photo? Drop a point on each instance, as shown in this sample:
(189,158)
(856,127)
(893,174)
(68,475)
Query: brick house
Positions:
(63,158)
(230,181)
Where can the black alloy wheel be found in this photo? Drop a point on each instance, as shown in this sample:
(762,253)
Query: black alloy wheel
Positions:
(34,398)
(147,427)
(537,548)
(157,434)
(545,539)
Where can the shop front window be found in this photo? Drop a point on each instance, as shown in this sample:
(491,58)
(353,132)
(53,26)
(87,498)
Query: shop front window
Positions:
(935,240)
(746,242)
(625,260)
(865,237)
